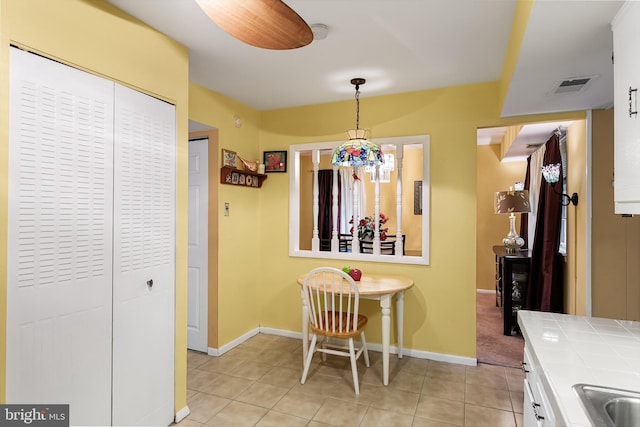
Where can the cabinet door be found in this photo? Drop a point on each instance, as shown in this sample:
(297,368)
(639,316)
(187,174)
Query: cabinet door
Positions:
(143,260)
(626,42)
(59,250)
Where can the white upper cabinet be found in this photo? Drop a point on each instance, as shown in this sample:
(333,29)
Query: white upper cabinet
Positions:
(626,48)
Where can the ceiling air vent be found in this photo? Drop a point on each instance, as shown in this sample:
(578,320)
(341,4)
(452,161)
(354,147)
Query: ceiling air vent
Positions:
(572,85)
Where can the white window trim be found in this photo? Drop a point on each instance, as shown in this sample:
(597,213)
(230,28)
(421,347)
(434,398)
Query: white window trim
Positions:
(294,205)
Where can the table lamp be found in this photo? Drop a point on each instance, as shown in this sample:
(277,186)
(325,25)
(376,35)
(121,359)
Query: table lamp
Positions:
(511,202)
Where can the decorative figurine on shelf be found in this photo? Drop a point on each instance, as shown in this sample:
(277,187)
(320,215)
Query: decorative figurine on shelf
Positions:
(250,166)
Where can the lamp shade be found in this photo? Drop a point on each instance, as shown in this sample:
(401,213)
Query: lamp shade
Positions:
(357,151)
(512,201)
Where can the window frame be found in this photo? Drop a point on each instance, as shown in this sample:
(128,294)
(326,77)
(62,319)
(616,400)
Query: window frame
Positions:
(407,192)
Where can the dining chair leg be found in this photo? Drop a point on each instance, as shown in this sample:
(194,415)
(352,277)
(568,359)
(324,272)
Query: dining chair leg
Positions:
(307,363)
(365,351)
(354,368)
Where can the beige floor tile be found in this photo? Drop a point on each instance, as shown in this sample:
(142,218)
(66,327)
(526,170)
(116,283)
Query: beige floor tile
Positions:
(400,401)
(324,385)
(222,364)
(260,341)
(282,377)
(340,413)
(274,356)
(196,358)
(515,382)
(519,420)
(203,406)
(250,370)
(446,371)
(450,390)
(487,396)
(406,381)
(278,419)
(263,395)
(488,378)
(188,422)
(262,376)
(479,416)
(244,352)
(423,422)
(412,364)
(380,418)
(292,359)
(237,414)
(200,380)
(227,386)
(299,404)
(372,374)
(446,411)
(517,401)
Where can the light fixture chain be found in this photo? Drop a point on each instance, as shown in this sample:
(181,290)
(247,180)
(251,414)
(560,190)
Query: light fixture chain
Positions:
(357,107)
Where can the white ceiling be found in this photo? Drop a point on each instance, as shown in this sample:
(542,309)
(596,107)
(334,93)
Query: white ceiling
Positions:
(402,46)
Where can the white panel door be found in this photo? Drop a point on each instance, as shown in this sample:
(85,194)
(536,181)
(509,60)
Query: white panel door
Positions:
(59,275)
(198,241)
(144,259)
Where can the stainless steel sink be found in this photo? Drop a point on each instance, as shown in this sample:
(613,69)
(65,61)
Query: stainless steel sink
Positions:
(610,407)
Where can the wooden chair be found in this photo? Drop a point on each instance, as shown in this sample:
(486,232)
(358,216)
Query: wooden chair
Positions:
(333,299)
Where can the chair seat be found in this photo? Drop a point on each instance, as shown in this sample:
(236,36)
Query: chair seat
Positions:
(334,318)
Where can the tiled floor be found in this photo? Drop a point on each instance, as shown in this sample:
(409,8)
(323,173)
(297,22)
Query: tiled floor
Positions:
(258,384)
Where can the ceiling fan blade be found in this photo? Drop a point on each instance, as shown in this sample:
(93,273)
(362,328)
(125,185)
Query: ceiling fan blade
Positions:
(269,24)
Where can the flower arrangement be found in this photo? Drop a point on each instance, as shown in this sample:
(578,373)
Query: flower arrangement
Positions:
(366,227)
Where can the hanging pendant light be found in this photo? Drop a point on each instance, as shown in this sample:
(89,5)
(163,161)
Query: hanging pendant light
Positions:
(357,151)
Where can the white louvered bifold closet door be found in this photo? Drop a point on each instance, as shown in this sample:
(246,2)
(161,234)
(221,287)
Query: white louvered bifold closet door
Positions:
(59,277)
(144,260)
(91,264)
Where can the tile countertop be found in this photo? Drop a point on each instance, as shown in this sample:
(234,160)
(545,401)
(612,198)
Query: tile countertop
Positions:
(578,349)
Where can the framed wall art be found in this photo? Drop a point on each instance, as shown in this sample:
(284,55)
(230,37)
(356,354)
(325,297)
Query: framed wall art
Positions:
(228,158)
(275,161)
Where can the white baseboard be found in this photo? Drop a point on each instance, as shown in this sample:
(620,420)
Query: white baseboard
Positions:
(222,350)
(486,291)
(440,357)
(182,414)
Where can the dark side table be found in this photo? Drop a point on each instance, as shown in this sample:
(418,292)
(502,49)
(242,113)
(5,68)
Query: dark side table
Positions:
(512,271)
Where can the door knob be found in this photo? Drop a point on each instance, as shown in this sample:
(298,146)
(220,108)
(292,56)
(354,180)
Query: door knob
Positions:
(150,283)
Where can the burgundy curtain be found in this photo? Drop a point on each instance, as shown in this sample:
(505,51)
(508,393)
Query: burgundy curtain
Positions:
(325,213)
(524,217)
(545,285)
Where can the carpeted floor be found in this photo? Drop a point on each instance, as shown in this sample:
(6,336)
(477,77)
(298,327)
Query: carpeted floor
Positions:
(492,346)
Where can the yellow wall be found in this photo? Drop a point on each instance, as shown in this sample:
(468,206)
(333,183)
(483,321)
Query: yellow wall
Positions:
(493,176)
(575,273)
(94,36)
(518,28)
(615,240)
(440,308)
(239,276)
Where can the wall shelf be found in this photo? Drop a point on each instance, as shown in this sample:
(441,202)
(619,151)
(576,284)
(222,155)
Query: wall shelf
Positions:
(244,178)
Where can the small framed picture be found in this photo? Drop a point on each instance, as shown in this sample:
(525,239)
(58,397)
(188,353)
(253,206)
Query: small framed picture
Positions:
(228,158)
(275,161)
